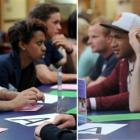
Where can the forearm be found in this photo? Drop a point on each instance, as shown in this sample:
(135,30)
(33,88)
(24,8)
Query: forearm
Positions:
(7,95)
(113,102)
(106,87)
(6,105)
(68,77)
(99,80)
(46,76)
(134,99)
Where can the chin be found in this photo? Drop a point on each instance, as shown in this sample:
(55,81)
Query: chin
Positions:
(43,56)
(93,50)
(120,57)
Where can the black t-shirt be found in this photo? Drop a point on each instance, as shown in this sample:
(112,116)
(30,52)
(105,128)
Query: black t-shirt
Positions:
(28,78)
(103,66)
(52,55)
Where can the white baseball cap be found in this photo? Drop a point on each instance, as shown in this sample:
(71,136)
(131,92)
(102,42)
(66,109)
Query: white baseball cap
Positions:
(125,22)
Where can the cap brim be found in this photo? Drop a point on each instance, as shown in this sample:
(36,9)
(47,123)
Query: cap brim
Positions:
(113,27)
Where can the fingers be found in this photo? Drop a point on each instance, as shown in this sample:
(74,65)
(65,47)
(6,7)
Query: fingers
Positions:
(32,97)
(133,36)
(39,95)
(63,125)
(134,32)
(59,40)
(32,102)
(64,121)
(35,90)
(58,37)
(58,119)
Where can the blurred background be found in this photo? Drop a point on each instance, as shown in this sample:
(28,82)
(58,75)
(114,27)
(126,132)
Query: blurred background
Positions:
(108,8)
(14,10)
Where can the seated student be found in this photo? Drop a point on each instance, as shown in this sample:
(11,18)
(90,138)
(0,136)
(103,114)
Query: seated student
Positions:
(50,16)
(113,93)
(134,97)
(100,42)
(57,130)
(85,54)
(11,100)
(17,68)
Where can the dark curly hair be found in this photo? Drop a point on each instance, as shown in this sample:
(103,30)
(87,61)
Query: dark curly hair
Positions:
(43,11)
(23,31)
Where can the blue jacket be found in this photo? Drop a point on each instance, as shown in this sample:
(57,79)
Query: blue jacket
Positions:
(12,74)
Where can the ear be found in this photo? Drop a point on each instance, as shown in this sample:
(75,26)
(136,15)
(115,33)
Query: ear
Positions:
(22,46)
(109,39)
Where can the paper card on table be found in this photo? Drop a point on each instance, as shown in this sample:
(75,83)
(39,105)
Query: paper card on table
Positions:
(66,87)
(114,117)
(49,99)
(99,128)
(32,120)
(30,108)
(3,129)
(65,93)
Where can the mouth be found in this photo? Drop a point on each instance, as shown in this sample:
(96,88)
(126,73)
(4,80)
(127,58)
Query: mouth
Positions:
(116,52)
(43,55)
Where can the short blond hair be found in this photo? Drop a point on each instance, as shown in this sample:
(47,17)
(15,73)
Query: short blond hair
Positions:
(102,20)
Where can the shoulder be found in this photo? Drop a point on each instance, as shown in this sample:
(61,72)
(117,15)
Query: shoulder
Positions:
(122,62)
(4,58)
(8,60)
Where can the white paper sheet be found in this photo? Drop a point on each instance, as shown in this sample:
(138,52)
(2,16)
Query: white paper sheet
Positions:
(32,120)
(99,128)
(49,99)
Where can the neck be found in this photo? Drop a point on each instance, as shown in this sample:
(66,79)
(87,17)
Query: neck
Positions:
(25,60)
(106,53)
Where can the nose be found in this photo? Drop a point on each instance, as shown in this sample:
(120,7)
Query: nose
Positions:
(113,43)
(59,27)
(89,41)
(44,47)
